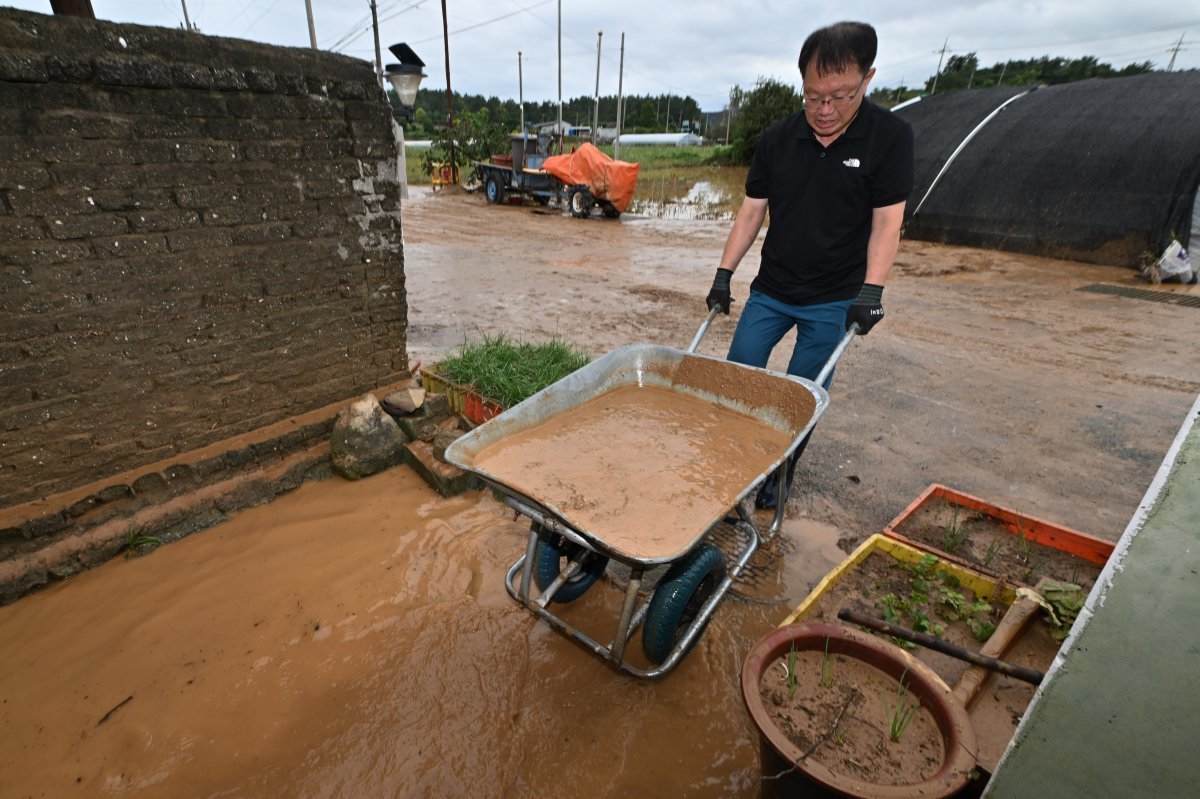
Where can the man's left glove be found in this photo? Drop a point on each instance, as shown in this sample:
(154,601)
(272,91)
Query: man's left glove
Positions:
(867,310)
(718,295)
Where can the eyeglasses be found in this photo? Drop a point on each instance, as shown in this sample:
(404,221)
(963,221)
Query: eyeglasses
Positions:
(837,101)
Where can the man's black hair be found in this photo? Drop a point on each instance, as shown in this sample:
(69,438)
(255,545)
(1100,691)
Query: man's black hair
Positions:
(840,46)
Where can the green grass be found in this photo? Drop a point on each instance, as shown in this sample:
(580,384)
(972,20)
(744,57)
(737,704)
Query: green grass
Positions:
(507,371)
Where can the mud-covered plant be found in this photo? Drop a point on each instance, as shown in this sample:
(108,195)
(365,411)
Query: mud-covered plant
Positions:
(902,712)
(138,542)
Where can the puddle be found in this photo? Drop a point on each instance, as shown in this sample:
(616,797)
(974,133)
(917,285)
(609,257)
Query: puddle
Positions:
(355,639)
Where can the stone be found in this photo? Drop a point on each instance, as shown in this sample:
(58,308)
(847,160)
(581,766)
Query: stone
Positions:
(443,440)
(443,478)
(406,400)
(365,440)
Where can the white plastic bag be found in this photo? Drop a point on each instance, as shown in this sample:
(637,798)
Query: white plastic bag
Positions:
(1175,262)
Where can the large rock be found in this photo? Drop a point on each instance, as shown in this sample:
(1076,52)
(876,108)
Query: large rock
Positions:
(365,440)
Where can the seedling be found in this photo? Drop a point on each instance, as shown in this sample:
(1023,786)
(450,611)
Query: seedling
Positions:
(827,667)
(955,534)
(902,712)
(990,555)
(791,669)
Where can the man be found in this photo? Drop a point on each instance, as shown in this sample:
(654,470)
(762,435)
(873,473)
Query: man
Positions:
(835,178)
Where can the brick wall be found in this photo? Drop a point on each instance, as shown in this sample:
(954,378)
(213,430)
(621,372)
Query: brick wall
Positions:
(198,237)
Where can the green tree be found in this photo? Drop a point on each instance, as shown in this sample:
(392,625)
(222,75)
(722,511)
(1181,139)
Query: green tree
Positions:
(768,102)
(474,138)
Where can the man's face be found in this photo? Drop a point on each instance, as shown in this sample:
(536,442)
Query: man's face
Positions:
(832,100)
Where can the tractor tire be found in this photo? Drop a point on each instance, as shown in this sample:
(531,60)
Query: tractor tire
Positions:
(580,202)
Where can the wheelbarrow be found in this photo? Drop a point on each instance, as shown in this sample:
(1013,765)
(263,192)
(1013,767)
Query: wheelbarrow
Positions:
(573,458)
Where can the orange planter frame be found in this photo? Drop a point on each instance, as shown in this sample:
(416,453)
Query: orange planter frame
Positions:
(1092,549)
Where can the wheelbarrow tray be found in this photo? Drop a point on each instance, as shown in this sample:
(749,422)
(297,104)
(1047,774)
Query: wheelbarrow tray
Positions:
(784,403)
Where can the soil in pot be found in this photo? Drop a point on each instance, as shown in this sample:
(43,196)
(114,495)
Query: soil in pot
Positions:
(915,596)
(981,540)
(842,712)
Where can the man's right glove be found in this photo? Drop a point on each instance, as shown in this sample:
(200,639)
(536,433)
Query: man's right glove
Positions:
(718,295)
(867,309)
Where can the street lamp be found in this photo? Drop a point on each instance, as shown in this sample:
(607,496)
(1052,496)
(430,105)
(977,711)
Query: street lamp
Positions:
(405,77)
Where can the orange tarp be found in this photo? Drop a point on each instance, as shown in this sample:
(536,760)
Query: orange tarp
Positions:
(608,179)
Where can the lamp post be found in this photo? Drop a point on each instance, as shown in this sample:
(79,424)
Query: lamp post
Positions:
(405,78)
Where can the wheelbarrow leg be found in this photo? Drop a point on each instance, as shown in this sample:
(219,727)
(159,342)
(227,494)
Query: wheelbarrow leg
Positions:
(617,648)
(527,567)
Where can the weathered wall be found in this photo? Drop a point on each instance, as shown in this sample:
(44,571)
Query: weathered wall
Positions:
(198,237)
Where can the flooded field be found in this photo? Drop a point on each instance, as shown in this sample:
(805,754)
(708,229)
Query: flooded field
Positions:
(716,194)
(355,639)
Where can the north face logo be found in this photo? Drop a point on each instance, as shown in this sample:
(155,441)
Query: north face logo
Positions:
(853,163)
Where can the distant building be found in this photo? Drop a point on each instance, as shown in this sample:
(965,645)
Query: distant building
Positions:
(669,139)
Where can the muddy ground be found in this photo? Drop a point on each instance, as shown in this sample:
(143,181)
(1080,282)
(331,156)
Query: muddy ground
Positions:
(991,373)
(355,638)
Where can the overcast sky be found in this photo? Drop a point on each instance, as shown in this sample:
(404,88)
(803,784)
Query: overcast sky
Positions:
(699,48)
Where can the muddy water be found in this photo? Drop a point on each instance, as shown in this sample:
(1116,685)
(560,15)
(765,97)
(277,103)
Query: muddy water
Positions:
(648,469)
(354,639)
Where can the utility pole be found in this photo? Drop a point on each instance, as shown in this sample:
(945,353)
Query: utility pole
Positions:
(899,89)
(667,122)
(521,95)
(378,57)
(560,125)
(939,69)
(312,28)
(1174,52)
(1003,69)
(596,110)
(620,99)
(187,22)
(449,98)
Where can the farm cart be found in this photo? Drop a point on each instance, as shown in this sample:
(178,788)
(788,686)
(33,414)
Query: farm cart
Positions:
(595,472)
(592,179)
(519,173)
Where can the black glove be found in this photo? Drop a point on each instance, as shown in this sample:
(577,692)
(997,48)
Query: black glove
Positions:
(867,310)
(718,295)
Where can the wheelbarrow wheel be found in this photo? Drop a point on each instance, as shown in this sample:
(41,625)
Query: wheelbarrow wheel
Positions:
(677,600)
(552,555)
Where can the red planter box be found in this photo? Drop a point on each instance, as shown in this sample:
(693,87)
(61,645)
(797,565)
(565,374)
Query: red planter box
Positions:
(1092,549)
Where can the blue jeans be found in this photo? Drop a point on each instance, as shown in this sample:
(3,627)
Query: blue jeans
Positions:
(765,321)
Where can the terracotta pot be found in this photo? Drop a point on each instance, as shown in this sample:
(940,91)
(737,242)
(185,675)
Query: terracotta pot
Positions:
(779,754)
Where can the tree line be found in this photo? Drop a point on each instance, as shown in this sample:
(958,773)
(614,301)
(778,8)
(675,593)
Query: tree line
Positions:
(643,113)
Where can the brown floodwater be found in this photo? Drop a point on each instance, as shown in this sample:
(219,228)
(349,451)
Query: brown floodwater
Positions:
(355,639)
(644,470)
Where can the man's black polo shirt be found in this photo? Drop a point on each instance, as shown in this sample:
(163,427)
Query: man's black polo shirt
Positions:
(820,201)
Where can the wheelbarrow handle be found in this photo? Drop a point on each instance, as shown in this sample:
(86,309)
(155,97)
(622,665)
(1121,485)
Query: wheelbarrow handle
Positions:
(836,355)
(712,314)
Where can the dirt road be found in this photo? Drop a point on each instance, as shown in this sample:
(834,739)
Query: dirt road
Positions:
(992,372)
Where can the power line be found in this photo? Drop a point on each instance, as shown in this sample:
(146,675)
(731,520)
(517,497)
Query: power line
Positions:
(485,22)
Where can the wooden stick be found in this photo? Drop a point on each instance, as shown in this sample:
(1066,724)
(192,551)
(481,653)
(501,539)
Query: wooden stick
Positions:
(1016,620)
(945,647)
(118,706)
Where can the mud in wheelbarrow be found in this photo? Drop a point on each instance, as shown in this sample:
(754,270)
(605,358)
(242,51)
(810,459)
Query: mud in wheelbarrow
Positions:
(635,458)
